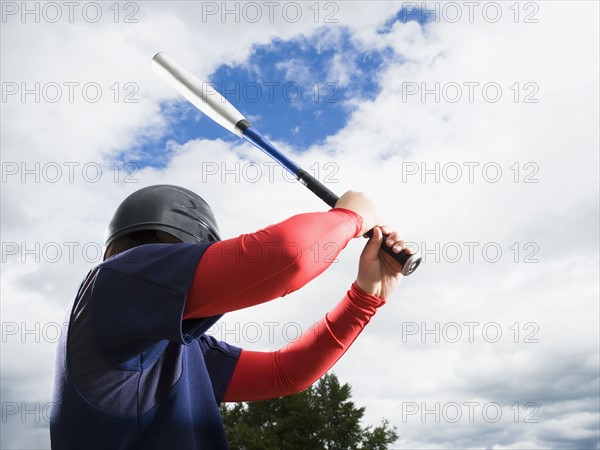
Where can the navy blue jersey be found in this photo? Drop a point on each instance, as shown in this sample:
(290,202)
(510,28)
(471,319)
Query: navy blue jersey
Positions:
(130,374)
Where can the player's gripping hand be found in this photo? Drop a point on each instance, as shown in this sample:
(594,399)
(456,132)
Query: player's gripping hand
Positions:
(378,273)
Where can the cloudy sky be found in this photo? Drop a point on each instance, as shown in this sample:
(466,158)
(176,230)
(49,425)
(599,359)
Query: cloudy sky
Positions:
(474,126)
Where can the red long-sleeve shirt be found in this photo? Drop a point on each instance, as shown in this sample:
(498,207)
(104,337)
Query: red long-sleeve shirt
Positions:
(270,263)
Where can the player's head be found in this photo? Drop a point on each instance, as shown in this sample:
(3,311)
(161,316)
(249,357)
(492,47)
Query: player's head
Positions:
(160,214)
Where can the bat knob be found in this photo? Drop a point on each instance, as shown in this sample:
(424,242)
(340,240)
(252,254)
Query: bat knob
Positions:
(411,264)
(409,261)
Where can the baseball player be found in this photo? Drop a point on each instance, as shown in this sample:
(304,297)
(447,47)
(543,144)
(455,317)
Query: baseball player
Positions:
(134,367)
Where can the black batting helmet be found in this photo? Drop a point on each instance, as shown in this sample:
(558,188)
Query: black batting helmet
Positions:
(171,209)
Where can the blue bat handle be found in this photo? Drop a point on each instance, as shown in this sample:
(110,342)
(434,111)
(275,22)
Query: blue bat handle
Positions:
(257,139)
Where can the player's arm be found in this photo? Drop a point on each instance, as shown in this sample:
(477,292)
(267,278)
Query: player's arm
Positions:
(272,262)
(264,375)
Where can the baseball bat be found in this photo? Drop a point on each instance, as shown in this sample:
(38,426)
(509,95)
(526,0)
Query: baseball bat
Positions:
(208,100)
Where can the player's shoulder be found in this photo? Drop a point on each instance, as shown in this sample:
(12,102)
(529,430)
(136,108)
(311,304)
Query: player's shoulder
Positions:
(157,269)
(149,252)
(151,258)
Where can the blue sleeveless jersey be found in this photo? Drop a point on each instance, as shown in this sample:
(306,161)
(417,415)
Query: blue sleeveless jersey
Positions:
(129,373)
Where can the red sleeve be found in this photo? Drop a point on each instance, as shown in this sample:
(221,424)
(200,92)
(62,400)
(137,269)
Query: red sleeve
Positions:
(265,375)
(254,268)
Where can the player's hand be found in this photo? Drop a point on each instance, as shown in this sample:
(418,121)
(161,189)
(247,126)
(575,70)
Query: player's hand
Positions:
(378,273)
(363,206)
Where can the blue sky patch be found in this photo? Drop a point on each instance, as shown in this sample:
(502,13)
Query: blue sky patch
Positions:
(295,90)
(409,13)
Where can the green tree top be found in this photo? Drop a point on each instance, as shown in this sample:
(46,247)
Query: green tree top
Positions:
(321,417)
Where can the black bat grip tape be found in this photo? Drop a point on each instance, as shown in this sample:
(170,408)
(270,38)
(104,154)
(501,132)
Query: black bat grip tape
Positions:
(409,262)
(317,187)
